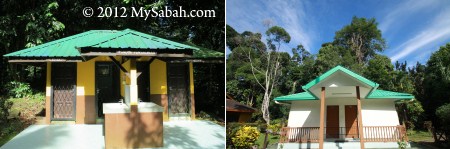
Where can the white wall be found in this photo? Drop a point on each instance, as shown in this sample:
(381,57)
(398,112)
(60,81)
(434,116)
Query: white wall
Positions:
(304,114)
(379,112)
(375,112)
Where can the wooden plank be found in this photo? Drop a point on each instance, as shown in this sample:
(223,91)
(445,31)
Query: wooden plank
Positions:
(118,64)
(361,134)
(322,112)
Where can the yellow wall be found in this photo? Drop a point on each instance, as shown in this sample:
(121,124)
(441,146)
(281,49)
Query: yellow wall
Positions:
(86,78)
(48,92)
(191,77)
(158,77)
(48,84)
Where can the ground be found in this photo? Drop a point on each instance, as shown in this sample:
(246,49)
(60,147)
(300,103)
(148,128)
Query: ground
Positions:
(27,111)
(23,113)
(195,134)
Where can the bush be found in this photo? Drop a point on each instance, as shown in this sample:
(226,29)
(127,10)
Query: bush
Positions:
(18,89)
(5,105)
(245,137)
(233,127)
(443,113)
(276,125)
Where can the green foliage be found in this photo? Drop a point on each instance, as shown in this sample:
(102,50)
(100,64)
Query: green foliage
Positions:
(328,58)
(435,84)
(381,70)
(443,113)
(275,127)
(413,111)
(19,89)
(402,144)
(245,137)
(5,105)
(362,37)
(277,35)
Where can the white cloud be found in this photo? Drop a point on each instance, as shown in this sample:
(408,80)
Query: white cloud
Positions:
(249,15)
(439,28)
(403,11)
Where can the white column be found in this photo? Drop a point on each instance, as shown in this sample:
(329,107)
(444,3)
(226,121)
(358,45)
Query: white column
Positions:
(133,82)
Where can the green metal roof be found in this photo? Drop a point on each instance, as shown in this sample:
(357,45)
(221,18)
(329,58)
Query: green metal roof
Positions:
(64,47)
(101,40)
(297,96)
(376,94)
(373,94)
(345,70)
(132,39)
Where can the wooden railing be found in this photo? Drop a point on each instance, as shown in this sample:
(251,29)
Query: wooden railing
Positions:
(299,134)
(371,134)
(384,133)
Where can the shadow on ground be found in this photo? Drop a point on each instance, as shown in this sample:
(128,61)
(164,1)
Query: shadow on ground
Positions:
(193,135)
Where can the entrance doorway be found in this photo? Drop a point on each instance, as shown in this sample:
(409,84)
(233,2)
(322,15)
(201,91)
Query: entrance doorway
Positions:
(178,80)
(64,91)
(351,121)
(332,129)
(143,81)
(107,85)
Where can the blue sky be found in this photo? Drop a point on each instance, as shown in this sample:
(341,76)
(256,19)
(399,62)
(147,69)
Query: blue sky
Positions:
(413,29)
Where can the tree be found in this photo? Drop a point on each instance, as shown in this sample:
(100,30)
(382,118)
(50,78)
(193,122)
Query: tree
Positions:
(436,82)
(380,70)
(299,70)
(269,67)
(362,37)
(328,58)
(443,113)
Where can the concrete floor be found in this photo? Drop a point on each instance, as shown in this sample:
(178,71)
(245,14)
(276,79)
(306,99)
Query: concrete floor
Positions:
(177,135)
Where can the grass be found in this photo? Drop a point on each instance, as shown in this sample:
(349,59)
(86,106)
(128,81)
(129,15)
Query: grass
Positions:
(21,115)
(420,136)
(272,139)
(424,139)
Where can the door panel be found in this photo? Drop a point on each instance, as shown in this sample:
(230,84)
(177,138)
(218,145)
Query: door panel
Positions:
(332,130)
(351,121)
(178,89)
(143,81)
(64,94)
(107,87)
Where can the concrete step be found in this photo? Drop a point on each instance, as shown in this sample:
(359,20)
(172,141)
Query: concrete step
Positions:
(62,122)
(179,118)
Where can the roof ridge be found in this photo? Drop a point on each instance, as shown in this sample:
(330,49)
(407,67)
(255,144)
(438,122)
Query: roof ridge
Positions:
(335,69)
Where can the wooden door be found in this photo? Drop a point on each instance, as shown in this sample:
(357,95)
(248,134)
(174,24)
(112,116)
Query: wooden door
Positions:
(332,128)
(178,80)
(64,94)
(351,121)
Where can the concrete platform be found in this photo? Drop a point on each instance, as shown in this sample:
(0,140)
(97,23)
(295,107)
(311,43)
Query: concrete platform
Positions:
(177,135)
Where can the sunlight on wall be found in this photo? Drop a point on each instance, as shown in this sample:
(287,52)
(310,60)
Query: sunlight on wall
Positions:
(158,77)
(191,77)
(86,78)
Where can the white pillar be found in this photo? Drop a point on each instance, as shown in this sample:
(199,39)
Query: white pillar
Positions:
(133,82)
